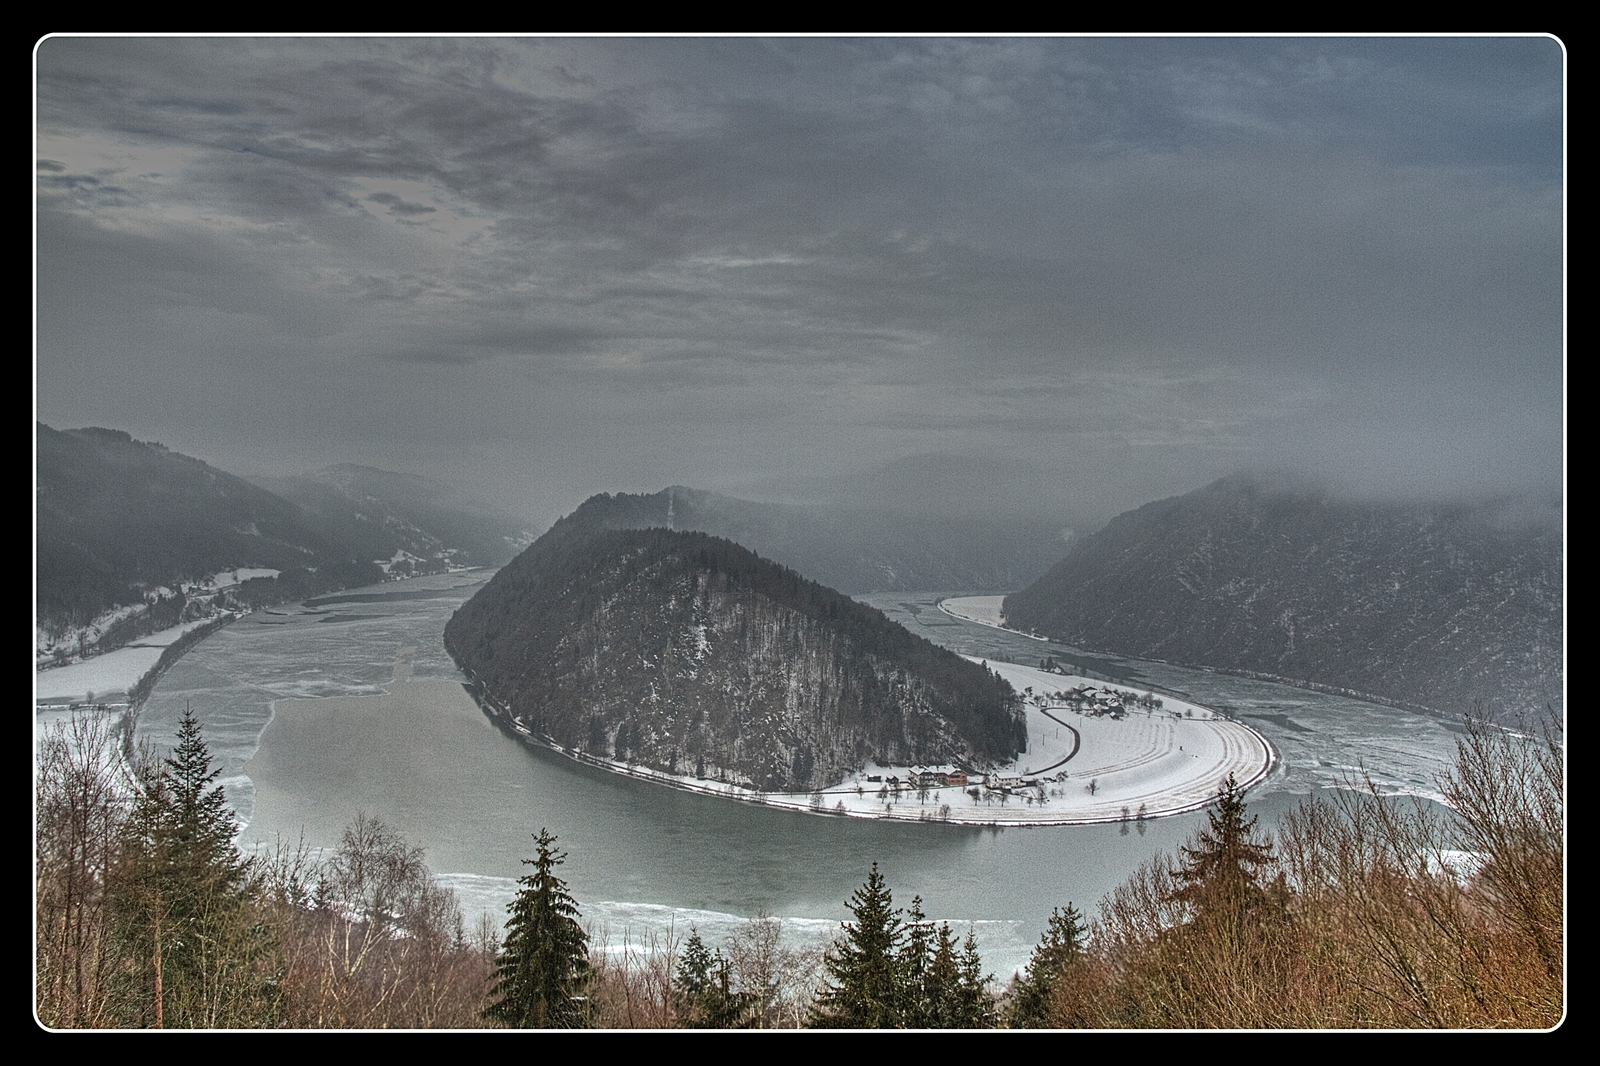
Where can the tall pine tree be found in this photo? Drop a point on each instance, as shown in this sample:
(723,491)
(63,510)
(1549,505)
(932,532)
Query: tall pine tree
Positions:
(974,1008)
(704,985)
(1221,875)
(1061,946)
(918,1002)
(182,896)
(865,988)
(542,975)
(941,985)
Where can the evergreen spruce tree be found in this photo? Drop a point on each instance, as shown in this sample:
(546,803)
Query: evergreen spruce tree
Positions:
(864,988)
(1221,875)
(704,984)
(181,892)
(1061,946)
(694,966)
(975,1007)
(918,1002)
(941,986)
(542,974)
(1231,950)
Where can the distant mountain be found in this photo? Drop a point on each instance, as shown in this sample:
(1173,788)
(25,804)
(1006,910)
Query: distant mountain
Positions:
(1433,606)
(690,654)
(855,549)
(926,484)
(129,533)
(414,524)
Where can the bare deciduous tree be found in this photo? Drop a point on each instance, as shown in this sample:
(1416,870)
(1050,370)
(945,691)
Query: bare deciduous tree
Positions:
(81,806)
(383,944)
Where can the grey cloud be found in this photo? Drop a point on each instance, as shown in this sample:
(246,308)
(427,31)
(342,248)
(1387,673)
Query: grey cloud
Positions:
(930,241)
(510,341)
(398,206)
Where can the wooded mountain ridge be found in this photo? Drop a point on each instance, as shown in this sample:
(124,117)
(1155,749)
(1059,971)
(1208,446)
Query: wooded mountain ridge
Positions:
(688,653)
(118,520)
(1436,606)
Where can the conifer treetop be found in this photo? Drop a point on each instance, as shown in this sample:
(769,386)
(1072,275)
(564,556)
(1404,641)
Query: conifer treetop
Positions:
(543,971)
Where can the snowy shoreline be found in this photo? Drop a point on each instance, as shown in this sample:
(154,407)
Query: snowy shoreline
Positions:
(112,673)
(1098,751)
(1135,765)
(984,611)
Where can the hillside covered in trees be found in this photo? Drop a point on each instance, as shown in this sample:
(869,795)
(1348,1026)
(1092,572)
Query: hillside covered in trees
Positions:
(1435,606)
(687,653)
(133,530)
(415,523)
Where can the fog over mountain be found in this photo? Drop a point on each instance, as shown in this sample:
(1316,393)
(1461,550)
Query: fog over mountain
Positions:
(1449,607)
(131,537)
(1097,271)
(855,549)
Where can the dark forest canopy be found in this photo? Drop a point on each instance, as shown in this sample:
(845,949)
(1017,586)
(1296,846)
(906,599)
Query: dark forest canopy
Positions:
(690,654)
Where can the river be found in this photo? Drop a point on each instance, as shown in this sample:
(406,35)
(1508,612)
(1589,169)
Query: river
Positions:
(350,704)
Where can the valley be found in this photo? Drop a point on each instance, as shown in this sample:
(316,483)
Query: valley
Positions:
(411,747)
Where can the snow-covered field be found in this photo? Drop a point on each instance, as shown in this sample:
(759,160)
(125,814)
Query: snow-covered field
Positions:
(1078,767)
(1165,760)
(228,579)
(108,676)
(984,610)
(73,638)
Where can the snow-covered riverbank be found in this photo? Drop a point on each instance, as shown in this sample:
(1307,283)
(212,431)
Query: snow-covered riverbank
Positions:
(1080,767)
(108,677)
(984,610)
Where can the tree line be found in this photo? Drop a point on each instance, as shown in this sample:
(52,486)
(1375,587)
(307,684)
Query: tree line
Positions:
(1364,911)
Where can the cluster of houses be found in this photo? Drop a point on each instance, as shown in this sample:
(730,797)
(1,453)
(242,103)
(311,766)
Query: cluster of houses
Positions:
(925,777)
(921,777)
(1099,702)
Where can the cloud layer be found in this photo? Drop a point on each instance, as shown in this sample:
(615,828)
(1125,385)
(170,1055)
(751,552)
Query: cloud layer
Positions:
(554,267)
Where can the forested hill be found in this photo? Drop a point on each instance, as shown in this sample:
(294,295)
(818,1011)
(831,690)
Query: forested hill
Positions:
(123,526)
(1434,606)
(854,548)
(119,519)
(690,654)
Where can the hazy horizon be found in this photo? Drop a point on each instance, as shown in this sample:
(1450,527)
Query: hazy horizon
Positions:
(1073,273)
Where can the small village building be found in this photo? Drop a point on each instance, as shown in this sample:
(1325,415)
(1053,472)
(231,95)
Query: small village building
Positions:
(937,776)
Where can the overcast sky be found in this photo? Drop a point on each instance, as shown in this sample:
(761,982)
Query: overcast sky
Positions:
(1114,269)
